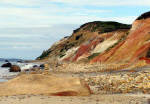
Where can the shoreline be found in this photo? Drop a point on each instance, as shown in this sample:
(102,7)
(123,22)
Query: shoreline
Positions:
(92,79)
(6,75)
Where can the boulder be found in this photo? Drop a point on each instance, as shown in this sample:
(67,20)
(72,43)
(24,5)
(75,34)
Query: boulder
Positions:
(32,69)
(35,66)
(26,70)
(35,69)
(46,85)
(42,66)
(20,61)
(46,66)
(7,65)
(14,68)
(6,61)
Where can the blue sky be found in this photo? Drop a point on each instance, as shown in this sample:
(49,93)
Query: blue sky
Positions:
(27,27)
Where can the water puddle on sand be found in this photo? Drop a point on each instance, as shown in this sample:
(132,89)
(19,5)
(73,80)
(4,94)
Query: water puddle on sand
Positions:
(3,80)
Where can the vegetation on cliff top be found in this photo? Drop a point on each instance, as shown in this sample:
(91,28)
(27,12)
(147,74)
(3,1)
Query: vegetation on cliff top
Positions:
(44,54)
(102,26)
(144,16)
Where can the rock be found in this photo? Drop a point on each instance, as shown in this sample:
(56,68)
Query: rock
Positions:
(42,66)
(35,66)
(14,68)
(121,83)
(27,70)
(46,66)
(7,65)
(46,85)
(35,69)
(32,69)
(20,61)
(6,61)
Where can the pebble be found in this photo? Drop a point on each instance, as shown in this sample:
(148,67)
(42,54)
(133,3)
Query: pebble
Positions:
(127,83)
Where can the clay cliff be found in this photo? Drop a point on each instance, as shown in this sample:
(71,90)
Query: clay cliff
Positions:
(134,48)
(90,35)
(105,42)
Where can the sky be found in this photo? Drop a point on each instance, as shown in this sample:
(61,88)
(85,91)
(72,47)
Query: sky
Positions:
(27,27)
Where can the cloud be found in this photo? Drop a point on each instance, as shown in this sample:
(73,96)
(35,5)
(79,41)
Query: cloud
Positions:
(105,2)
(78,2)
(46,17)
(44,13)
(21,2)
(27,27)
(38,17)
(30,42)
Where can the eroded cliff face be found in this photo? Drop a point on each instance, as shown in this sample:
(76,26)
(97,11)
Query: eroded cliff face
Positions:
(97,45)
(106,42)
(87,41)
(133,48)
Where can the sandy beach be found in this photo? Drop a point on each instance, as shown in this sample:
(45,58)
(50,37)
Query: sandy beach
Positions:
(73,52)
(97,98)
(93,99)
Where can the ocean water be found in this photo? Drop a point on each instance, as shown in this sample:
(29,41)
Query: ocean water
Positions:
(5,75)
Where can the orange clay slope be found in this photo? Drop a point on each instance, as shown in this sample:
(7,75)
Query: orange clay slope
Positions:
(134,47)
(98,44)
(85,41)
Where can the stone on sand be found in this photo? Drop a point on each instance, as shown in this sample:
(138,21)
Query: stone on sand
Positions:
(14,68)
(7,65)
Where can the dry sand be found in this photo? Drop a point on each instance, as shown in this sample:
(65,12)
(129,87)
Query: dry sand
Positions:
(44,84)
(93,99)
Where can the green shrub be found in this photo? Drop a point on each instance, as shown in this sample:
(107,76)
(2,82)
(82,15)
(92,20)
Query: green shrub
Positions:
(44,54)
(144,16)
(93,55)
(103,26)
(61,55)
